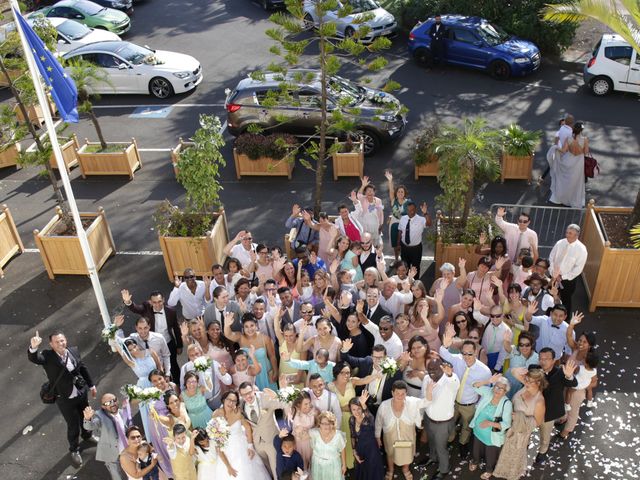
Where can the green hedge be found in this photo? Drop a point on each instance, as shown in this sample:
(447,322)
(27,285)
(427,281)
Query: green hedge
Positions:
(517,17)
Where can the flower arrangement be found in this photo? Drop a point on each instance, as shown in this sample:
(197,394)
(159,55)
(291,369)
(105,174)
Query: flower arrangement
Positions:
(219,431)
(389,366)
(288,394)
(202,364)
(109,333)
(134,392)
(379,97)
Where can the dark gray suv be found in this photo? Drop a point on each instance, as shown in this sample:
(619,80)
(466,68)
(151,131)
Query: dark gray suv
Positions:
(378,116)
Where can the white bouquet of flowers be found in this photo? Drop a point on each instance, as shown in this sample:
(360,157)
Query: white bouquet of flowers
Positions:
(134,392)
(202,364)
(219,431)
(109,333)
(389,366)
(288,394)
(379,97)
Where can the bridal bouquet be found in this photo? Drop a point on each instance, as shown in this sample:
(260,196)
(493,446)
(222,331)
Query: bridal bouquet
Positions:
(219,431)
(202,364)
(109,333)
(134,392)
(288,394)
(389,366)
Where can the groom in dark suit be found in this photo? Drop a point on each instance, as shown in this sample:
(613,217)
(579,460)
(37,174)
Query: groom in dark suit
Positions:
(162,319)
(70,381)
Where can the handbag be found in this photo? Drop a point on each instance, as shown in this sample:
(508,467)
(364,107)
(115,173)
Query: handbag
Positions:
(591,166)
(46,391)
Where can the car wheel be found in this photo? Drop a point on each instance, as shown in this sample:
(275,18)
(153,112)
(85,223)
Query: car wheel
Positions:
(308,21)
(423,57)
(349,32)
(601,86)
(371,141)
(500,70)
(160,87)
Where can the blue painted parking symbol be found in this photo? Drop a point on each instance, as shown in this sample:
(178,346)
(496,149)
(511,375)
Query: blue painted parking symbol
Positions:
(151,112)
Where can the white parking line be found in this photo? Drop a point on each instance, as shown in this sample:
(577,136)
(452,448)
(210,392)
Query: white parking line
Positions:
(155,149)
(189,105)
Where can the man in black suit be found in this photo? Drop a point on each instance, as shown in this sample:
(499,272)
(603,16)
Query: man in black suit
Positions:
(379,390)
(291,307)
(163,320)
(373,310)
(70,381)
(437,33)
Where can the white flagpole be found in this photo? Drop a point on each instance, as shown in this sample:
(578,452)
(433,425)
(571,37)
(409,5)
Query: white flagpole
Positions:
(51,131)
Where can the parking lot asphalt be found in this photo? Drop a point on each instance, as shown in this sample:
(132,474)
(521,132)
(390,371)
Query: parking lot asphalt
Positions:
(228,38)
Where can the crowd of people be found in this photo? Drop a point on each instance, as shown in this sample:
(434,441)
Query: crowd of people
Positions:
(381,367)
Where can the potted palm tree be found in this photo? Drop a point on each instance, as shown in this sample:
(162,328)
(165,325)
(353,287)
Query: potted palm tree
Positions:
(466,154)
(100,158)
(517,154)
(424,157)
(264,155)
(195,236)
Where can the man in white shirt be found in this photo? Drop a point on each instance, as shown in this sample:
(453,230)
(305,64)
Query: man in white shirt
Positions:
(190,293)
(469,370)
(321,398)
(567,260)
(518,236)
(410,232)
(383,333)
(493,338)
(242,248)
(394,300)
(553,330)
(565,131)
(147,339)
(439,388)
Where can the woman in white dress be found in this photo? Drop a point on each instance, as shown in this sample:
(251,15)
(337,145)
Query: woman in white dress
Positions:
(239,450)
(209,456)
(569,185)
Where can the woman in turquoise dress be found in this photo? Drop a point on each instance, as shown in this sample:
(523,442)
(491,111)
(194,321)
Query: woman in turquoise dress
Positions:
(265,352)
(193,398)
(329,459)
(350,261)
(399,199)
(142,362)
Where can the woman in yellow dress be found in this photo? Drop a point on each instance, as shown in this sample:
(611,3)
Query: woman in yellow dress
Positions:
(287,339)
(343,386)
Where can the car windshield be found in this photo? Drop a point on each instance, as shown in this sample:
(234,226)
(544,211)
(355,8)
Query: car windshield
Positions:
(89,8)
(492,34)
(360,6)
(343,88)
(133,53)
(73,30)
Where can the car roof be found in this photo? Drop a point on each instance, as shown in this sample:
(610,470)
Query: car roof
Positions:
(275,79)
(460,20)
(106,46)
(611,38)
(55,21)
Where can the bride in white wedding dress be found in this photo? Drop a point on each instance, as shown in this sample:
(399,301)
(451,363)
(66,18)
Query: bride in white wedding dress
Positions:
(239,449)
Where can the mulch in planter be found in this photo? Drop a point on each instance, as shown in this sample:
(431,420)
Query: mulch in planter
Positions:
(615,227)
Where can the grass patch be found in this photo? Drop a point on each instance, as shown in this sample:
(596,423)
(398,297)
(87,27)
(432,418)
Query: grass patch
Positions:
(110,148)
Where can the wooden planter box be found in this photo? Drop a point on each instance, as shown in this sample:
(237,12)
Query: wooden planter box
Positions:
(9,157)
(124,162)
(452,252)
(10,242)
(62,255)
(349,164)
(516,168)
(611,275)
(175,154)
(35,113)
(69,154)
(13,74)
(197,253)
(262,166)
(429,169)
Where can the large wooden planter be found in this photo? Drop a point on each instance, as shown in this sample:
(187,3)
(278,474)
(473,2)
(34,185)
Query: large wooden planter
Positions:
(197,253)
(429,169)
(10,242)
(262,166)
(452,252)
(516,168)
(9,156)
(175,154)
(13,75)
(611,275)
(35,113)
(349,164)
(62,255)
(124,162)
(69,154)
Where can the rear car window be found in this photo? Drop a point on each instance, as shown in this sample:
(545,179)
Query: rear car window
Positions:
(620,54)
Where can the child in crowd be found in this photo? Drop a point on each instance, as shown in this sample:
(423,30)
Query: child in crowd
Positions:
(575,396)
(242,371)
(145,457)
(289,464)
(522,269)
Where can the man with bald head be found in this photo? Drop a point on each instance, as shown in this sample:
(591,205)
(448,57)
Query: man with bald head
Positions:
(110,423)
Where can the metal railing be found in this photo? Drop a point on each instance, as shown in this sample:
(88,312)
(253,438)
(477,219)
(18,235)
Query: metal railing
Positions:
(548,222)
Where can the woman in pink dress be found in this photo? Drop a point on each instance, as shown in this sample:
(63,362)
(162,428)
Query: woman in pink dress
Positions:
(324,339)
(327,232)
(302,418)
(426,324)
(371,215)
(220,349)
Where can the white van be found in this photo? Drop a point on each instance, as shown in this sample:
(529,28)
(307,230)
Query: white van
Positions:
(614,66)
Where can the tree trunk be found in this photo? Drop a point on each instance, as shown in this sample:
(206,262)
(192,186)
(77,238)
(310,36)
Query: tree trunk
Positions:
(96,124)
(635,214)
(60,201)
(322,147)
(468,197)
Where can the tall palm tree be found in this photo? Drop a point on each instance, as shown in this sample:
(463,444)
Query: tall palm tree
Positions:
(626,24)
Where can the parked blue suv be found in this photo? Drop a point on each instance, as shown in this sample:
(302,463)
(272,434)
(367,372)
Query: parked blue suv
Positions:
(476,43)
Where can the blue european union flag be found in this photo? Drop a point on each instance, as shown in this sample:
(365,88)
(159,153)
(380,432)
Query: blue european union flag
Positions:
(63,90)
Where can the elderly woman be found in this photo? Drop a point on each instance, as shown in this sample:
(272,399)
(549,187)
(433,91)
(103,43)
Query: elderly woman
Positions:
(328,460)
(522,356)
(451,284)
(490,422)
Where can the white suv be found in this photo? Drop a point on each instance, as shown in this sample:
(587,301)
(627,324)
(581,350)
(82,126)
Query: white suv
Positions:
(614,66)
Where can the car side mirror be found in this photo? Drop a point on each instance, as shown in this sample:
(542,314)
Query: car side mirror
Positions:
(122,66)
(79,16)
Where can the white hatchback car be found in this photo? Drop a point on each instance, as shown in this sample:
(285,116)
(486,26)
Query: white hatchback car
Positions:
(382,23)
(130,68)
(614,66)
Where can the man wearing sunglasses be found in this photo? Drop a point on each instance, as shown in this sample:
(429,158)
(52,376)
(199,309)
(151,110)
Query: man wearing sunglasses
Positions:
(518,235)
(109,422)
(190,293)
(492,339)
